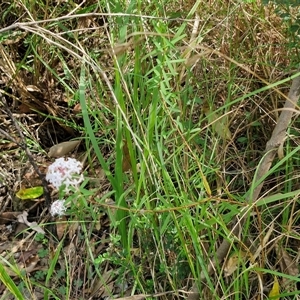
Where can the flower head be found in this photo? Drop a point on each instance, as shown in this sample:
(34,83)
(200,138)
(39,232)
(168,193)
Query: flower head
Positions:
(65,172)
(58,208)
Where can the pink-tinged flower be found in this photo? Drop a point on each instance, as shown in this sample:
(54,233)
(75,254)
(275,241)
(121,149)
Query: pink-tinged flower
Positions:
(58,208)
(65,172)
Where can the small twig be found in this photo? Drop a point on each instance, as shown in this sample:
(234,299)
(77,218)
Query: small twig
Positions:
(23,146)
(277,138)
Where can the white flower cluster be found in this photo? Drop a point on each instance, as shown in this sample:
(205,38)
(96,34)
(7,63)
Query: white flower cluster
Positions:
(58,208)
(63,172)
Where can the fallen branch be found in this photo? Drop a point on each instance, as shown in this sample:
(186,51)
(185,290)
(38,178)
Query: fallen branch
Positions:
(277,139)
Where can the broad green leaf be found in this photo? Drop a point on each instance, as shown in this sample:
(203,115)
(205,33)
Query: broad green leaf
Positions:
(276,197)
(30,193)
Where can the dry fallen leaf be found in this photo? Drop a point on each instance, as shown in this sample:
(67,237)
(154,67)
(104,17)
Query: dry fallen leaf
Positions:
(287,266)
(26,260)
(7,217)
(73,227)
(275,291)
(70,251)
(262,246)
(29,262)
(233,263)
(220,124)
(27,266)
(62,149)
(77,109)
(33,88)
(102,286)
(121,48)
(61,227)
(22,218)
(126,164)
(24,109)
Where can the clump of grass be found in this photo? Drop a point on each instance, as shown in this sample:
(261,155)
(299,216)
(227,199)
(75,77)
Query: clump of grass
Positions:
(176,120)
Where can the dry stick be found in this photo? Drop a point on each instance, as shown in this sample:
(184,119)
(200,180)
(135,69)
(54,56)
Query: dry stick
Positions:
(277,138)
(89,15)
(27,151)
